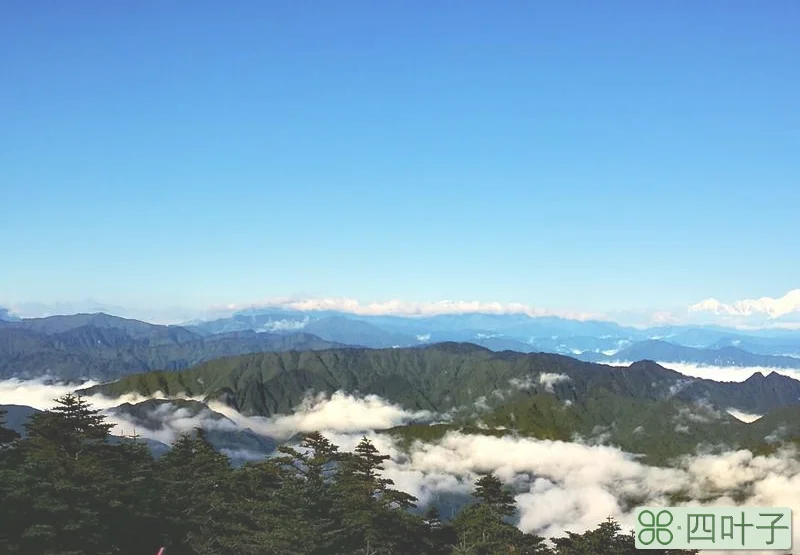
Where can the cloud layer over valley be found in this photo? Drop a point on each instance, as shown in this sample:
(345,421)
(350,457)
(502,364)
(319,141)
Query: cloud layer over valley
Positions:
(718,373)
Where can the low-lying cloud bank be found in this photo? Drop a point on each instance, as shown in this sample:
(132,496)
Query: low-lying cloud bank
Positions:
(717,373)
(571,486)
(545,379)
(340,412)
(559,485)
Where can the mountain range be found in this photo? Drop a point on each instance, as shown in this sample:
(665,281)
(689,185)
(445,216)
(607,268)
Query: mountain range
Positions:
(546,333)
(484,373)
(103,347)
(643,408)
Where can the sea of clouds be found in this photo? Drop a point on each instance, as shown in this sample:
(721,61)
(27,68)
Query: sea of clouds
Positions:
(717,373)
(560,485)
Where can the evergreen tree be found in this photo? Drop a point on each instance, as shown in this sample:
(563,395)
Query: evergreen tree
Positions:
(64,488)
(608,540)
(131,511)
(439,536)
(490,491)
(482,529)
(203,515)
(374,515)
(67,490)
(301,511)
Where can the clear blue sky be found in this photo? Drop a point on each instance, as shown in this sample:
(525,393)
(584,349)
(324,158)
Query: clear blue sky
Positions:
(575,155)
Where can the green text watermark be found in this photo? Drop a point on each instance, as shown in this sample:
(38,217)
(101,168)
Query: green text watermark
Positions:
(756,528)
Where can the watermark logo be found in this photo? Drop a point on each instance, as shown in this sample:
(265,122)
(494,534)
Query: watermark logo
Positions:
(714,528)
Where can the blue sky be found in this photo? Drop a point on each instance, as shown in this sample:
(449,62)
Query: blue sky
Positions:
(571,155)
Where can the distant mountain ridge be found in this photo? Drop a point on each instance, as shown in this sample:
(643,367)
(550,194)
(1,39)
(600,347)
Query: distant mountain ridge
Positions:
(518,332)
(543,395)
(663,351)
(103,347)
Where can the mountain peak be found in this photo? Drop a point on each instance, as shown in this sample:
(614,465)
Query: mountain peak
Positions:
(457,347)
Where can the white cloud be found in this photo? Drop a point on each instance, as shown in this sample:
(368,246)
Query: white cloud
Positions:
(339,412)
(549,379)
(410,308)
(700,413)
(546,379)
(761,313)
(717,373)
(744,416)
(41,393)
(285,325)
(173,422)
(772,307)
(522,383)
(570,486)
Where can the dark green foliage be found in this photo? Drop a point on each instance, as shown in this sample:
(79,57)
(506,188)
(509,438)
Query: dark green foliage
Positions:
(608,540)
(491,493)
(636,408)
(67,490)
(71,491)
(483,528)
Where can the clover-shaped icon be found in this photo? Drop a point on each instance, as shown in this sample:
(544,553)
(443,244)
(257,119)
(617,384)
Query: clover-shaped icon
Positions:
(653,526)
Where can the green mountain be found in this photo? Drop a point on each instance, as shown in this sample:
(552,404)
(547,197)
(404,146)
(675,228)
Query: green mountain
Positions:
(643,408)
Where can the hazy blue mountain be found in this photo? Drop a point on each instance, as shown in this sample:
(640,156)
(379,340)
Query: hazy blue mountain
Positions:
(134,329)
(518,325)
(270,320)
(502,344)
(762,345)
(101,346)
(105,348)
(547,334)
(667,352)
(356,332)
